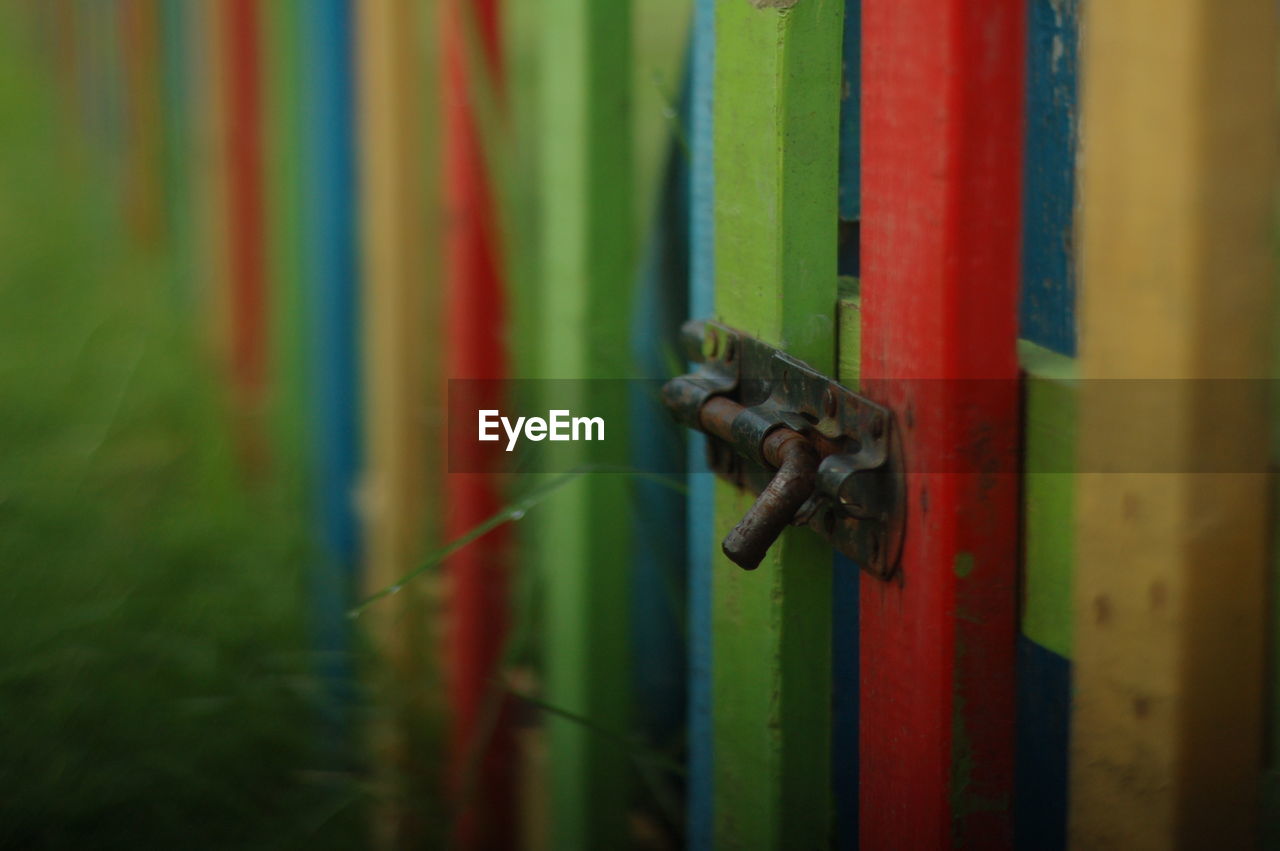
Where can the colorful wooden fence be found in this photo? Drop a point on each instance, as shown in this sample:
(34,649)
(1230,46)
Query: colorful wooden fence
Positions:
(364,199)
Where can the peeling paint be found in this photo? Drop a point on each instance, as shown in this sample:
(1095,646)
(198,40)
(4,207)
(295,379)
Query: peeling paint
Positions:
(774,4)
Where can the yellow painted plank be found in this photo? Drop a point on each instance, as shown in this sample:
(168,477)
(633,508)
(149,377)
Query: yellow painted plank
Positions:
(1179,142)
(400,311)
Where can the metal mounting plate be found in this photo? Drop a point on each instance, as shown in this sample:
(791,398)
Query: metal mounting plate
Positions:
(859,504)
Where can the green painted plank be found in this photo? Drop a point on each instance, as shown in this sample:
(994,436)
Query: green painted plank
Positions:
(776,136)
(284,211)
(588,258)
(518,175)
(849,334)
(1048,496)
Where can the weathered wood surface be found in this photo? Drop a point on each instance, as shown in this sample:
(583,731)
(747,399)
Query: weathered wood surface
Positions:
(776,131)
(941,174)
(1177,203)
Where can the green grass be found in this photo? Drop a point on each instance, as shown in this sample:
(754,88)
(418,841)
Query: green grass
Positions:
(156,686)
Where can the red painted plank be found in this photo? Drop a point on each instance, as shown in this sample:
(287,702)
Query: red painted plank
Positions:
(482,756)
(942,116)
(245,215)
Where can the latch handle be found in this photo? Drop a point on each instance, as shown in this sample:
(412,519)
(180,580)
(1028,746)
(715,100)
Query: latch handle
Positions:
(796,463)
(777,505)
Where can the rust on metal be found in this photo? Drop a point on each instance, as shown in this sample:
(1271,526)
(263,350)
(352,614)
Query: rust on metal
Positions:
(796,462)
(816,453)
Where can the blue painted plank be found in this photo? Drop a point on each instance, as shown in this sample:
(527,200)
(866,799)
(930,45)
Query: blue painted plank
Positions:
(846,579)
(1043,731)
(1048,318)
(700,825)
(659,659)
(851,116)
(1048,269)
(329,275)
(845,696)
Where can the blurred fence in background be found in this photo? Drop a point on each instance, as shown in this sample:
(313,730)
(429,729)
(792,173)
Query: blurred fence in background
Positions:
(336,207)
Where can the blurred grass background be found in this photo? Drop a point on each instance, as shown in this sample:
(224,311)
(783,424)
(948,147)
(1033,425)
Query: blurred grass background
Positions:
(157,683)
(156,687)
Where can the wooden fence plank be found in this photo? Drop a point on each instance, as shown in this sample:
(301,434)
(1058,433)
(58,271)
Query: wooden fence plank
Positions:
(1048,301)
(776,114)
(846,578)
(1048,307)
(399,329)
(699,827)
(1178,164)
(482,748)
(329,275)
(241,146)
(1044,642)
(941,149)
(587,269)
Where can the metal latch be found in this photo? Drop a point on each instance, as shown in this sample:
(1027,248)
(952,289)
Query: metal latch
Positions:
(816,453)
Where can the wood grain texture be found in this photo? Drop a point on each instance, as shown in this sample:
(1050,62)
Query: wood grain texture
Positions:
(1178,165)
(588,257)
(1048,302)
(941,168)
(776,130)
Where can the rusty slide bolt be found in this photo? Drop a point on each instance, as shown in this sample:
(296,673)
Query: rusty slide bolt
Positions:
(796,462)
